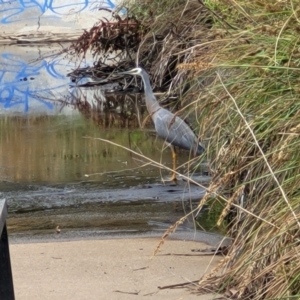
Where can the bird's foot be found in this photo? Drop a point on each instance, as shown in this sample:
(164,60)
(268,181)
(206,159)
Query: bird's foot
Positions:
(172,179)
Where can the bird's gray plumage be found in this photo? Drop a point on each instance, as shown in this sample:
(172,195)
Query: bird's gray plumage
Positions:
(169,127)
(176,132)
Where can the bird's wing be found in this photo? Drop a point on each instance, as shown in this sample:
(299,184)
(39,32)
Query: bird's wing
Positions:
(174,130)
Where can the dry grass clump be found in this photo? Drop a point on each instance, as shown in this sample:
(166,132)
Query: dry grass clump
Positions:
(109,41)
(174,26)
(240,64)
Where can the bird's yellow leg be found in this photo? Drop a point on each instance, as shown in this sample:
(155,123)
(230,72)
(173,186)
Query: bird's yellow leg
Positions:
(174,157)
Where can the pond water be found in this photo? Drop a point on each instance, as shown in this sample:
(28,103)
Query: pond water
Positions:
(60,163)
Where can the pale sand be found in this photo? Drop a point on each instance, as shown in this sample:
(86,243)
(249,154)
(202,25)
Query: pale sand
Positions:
(106,269)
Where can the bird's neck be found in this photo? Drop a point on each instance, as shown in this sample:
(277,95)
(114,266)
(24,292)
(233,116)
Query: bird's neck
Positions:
(151,101)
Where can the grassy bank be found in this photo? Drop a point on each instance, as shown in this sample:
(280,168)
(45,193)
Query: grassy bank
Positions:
(238,62)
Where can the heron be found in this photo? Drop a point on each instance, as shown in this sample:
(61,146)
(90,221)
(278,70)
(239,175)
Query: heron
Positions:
(169,127)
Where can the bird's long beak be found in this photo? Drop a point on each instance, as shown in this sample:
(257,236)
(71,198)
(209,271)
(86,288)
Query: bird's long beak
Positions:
(125,73)
(121,73)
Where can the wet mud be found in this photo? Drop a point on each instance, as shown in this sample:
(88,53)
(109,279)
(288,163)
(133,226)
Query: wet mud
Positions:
(90,210)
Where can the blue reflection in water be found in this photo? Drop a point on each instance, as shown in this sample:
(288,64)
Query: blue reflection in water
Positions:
(29,85)
(23,84)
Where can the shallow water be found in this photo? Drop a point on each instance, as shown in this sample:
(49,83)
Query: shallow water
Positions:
(55,170)
(58,149)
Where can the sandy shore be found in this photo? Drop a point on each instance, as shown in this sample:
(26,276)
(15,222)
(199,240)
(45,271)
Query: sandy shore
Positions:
(106,269)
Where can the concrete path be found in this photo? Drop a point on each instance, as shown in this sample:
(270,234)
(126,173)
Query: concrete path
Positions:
(106,269)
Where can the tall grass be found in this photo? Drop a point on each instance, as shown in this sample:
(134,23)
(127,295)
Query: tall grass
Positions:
(239,64)
(252,109)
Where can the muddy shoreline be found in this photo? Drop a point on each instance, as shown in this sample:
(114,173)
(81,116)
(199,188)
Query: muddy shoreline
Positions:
(85,211)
